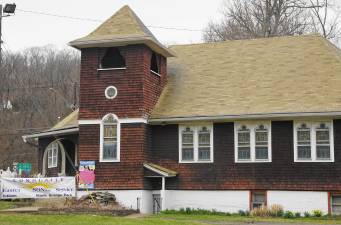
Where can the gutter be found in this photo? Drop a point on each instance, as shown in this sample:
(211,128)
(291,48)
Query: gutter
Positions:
(51,133)
(246,116)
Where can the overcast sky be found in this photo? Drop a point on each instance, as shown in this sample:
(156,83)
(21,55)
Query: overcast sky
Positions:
(26,29)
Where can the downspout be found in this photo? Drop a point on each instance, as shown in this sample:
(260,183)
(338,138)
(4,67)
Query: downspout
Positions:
(163,194)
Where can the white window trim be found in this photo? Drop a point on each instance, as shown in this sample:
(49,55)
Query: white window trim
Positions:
(114,68)
(156,73)
(53,148)
(102,139)
(195,128)
(106,94)
(252,125)
(312,125)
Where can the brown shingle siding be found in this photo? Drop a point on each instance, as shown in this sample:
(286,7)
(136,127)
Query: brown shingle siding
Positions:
(281,174)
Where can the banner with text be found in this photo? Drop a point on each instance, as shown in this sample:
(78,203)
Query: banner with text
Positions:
(50,187)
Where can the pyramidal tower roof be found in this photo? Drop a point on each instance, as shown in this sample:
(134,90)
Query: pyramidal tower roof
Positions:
(123,28)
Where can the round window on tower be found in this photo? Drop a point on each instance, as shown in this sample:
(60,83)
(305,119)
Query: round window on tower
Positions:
(110,92)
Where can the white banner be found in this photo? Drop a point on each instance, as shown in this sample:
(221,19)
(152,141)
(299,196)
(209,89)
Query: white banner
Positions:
(50,187)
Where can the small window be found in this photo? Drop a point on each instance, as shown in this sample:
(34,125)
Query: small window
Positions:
(313,142)
(187,144)
(303,142)
(154,63)
(110,139)
(196,143)
(244,146)
(112,59)
(335,201)
(52,155)
(258,199)
(110,92)
(253,142)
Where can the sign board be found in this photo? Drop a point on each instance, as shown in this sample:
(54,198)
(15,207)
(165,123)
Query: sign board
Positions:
(86,175)
(51,187)
(24,169)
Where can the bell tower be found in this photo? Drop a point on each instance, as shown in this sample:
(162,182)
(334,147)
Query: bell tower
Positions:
(123,68)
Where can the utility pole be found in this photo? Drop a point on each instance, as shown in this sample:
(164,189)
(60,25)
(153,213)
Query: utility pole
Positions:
(0,34)
(8,10)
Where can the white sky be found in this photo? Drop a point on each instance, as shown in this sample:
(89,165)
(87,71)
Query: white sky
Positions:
(27,29)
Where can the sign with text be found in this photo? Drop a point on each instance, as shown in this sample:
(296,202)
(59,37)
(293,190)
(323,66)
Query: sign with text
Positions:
(50,187)
(87,174)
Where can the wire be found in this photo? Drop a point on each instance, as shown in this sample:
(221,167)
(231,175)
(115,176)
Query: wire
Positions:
(99,21)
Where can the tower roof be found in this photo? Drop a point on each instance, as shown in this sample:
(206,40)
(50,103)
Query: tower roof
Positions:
(123,28)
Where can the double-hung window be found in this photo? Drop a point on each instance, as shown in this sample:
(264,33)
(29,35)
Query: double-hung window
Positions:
(52,155)
(110,135)
(195,143)
(253,142)
(313,142)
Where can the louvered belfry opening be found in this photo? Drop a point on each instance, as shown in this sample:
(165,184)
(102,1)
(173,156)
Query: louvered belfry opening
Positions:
(112,59)
(154,63)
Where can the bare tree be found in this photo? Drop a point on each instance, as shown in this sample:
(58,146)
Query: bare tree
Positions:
(326,19)
(39,83)
(245,19)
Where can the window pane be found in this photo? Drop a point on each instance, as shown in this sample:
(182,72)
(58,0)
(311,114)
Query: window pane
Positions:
(49,162)
(243,153)
(258,200)
(187,144)
(303,136)
(187,138)
(303,152)
(261,137)
(261,152)
(336,210)
(110,131)
(187,154)
(336,200)
(323,152)
(322,135)
(204,138)
(204,153)
(109,150)
(244,138)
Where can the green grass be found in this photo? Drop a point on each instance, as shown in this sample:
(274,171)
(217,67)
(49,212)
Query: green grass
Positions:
(246,219)
(163,219)
(6,205)
(26,219)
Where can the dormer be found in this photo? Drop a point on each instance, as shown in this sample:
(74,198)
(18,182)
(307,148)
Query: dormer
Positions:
(123,68)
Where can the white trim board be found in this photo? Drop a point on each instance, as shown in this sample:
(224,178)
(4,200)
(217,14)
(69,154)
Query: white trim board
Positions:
(126,120)
(232,118)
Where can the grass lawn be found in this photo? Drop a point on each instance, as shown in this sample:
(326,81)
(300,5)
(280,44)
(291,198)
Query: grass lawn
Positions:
(6,205)
(174,219)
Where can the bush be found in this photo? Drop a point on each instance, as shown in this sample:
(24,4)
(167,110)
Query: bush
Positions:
(317,213)
(195,212)
(307,214)
(243,213)
(288,214)
(297,214)
(276,210)
(262,211)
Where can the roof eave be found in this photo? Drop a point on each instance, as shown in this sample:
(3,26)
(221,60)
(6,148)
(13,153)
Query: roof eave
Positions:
(51,133)
(243,117)
(114,42)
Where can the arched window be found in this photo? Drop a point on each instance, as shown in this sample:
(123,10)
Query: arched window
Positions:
(54,157)
(112,59)
(110,139)
(154,63)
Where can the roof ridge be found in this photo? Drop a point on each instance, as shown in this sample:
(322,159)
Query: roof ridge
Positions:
(249,40)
